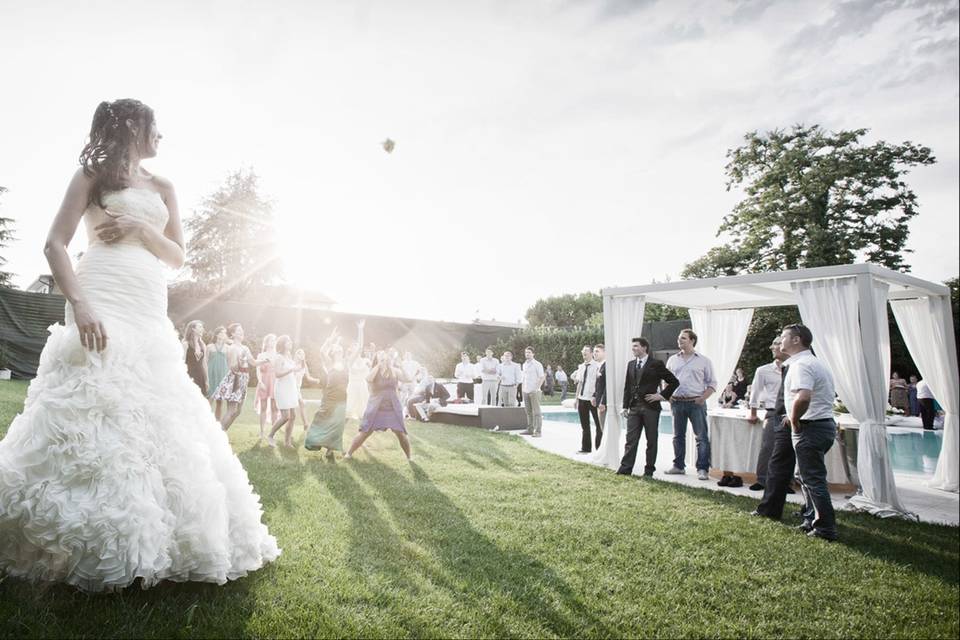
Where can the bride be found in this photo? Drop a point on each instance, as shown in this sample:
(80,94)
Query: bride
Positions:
(117,470)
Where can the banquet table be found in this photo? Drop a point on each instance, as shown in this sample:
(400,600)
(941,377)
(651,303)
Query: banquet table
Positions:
(735,443)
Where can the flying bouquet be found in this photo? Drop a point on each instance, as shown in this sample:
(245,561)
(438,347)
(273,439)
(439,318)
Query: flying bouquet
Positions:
(388,145)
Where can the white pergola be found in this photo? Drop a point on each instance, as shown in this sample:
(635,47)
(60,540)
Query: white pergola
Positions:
(845,307)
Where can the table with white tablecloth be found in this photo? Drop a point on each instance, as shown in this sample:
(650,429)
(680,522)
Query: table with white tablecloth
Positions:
(735,444)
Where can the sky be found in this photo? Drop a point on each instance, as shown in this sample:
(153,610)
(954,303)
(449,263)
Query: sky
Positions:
(542,148)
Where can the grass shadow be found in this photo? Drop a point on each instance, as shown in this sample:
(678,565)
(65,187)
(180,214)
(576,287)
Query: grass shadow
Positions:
(470,566)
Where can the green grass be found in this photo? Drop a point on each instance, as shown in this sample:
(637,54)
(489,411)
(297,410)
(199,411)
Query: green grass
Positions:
(486,536)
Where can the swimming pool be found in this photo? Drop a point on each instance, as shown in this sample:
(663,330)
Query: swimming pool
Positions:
(913,451)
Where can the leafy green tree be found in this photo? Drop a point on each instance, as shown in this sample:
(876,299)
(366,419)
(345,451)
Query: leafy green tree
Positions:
(716,263)
(586,310)
(815,198)
(568,310)
(6,235)
(232,249)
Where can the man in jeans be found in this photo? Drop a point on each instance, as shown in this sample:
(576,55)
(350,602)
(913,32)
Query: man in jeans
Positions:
(808,392)
(697,383)
(533,379)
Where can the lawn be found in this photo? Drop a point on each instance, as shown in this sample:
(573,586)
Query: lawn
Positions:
(486,536)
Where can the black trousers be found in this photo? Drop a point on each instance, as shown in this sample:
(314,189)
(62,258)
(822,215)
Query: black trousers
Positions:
(465,390)
(585,408)
(770,423)
(927,414)
(783,460)
(646,421)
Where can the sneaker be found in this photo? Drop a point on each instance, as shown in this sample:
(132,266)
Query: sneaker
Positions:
(725,481)
(814,533)
(735,481)
(756,486)
(675,471)
(526,432)
(582,451)
(702,474)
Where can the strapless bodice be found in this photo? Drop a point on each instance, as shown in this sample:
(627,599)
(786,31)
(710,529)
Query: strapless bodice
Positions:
(145,204)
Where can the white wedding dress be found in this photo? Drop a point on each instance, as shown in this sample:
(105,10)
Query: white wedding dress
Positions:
(117,468)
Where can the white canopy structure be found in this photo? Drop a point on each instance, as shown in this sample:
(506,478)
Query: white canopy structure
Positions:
(845,307)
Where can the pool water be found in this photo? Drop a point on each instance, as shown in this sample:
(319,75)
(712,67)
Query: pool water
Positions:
(913,451)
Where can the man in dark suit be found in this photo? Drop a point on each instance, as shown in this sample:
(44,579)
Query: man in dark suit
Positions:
(600,395)
(641,404)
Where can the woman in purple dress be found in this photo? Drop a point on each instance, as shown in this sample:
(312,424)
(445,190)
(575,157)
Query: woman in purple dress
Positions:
(383,409)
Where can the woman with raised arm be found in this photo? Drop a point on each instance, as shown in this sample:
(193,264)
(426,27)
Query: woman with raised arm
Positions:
(326,430)
(116,471)
(383,409)
(358,389)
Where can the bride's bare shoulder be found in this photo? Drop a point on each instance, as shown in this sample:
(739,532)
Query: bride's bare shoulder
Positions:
(81,179)
(164,186)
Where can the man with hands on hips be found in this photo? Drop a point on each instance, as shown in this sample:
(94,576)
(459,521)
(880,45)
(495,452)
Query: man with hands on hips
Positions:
(641,404)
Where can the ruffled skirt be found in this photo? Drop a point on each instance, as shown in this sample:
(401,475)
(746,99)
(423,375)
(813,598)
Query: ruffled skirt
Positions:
(117,469)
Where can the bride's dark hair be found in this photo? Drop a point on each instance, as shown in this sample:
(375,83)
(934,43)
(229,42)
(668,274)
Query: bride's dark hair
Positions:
(106,157)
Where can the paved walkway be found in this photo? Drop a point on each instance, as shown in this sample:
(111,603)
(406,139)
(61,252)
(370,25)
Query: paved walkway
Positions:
(931,505)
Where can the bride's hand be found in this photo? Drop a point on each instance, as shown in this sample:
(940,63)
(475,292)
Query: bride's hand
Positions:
(92,334)
(118,227)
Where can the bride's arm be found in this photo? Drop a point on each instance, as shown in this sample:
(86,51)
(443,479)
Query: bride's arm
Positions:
(167,246)
(92,333)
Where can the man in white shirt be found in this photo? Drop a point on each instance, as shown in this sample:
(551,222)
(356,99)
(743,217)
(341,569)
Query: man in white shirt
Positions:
(763,395)
(464,374)
(694,371)
(808,394)
(489,367)
(510,375)
(586,379)
(925,399)
(533,379)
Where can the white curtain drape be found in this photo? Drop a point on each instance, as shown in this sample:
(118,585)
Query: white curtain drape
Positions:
(622,321)
(924,325)
(858,357)
(720,337)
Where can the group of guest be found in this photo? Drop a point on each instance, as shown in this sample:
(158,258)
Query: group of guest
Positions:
(796,390)
(504,383)
(371,380)
(913,398)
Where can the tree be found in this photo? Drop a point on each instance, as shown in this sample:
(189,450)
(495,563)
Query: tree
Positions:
(6,235)
(232,248)
(569,310)
(815,198)
(954,284)
(586,310)
(717,262)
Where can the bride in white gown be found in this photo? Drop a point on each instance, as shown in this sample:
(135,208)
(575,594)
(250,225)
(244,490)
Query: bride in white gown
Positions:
(117,469)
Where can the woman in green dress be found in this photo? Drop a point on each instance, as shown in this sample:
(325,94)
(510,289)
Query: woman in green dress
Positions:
(326,429)
(217,368)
